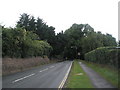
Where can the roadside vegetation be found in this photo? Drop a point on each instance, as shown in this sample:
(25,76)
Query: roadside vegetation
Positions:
(104,55)
(32,38)
(13,65)
(105,61)
(109,73)
(77,77)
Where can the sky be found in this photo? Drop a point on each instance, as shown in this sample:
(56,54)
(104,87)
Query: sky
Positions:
(102,15)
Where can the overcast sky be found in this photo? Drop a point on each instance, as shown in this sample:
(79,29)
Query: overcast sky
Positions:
(102,15)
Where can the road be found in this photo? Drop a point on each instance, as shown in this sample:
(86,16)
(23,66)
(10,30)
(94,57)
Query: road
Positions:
(47,76)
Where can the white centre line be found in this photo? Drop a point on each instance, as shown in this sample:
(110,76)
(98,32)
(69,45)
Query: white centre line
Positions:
(23,78)
(43,70)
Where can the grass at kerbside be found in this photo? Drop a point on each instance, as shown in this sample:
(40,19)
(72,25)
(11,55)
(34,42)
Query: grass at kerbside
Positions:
(109,73)
(77,77)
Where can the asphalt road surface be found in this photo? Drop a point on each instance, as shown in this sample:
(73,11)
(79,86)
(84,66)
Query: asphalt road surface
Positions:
(47,76)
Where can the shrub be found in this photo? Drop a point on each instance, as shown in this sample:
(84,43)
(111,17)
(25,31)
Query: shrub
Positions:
(18,43)
(104,55)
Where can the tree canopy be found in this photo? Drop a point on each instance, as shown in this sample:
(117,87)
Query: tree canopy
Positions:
(33,37)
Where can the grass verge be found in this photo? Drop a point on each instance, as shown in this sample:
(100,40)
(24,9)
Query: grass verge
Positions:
(110,74)
(77,77)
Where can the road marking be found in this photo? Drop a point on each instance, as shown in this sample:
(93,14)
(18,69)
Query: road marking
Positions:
(80,62)
(23,78)
(43,70)
(51,66)
(65,78)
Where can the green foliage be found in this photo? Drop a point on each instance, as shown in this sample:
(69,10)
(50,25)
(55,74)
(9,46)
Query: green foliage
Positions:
(29,31)
(109,40)
(18,42)
(12,38)
(24,21)
(74,80)
(103,55)
(37,26)
(81,38)
(91,42)
(44,32)
(94,40)
(60,43)
(109,73)
(74,36)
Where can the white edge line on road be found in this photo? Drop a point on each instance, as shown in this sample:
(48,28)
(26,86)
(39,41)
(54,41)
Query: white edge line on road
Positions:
(51,66)
(66,76)
(43,70)
(23,78)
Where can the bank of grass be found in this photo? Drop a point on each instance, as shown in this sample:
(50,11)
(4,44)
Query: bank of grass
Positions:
(77,81)
(109,73)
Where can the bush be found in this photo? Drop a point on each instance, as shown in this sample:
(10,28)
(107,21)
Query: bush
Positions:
(18,43)
(104,55)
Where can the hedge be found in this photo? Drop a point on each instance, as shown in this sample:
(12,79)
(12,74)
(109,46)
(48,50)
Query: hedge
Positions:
(104,55)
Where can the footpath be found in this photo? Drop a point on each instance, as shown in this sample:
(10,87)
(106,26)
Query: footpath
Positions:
(97,80)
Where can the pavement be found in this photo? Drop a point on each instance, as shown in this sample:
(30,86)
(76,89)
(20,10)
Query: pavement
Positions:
(47,76)
(97,80)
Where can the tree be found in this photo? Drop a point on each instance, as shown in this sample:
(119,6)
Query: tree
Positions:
(19,43)
(32,24)
(75,35)
(87,29)
(30,34)
(91,42)
(109,40)
(60,43)
(39,27)
(12,41)
(24,21)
